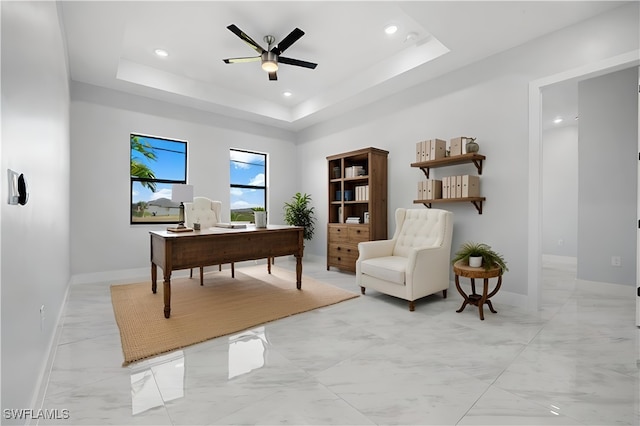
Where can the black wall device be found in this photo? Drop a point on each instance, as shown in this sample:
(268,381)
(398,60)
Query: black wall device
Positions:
(23,193)
(18,190)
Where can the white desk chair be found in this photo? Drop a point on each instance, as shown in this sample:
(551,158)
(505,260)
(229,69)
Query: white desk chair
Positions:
(206,212)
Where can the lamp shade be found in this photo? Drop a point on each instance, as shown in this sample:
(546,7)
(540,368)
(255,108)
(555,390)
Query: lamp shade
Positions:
(182,193)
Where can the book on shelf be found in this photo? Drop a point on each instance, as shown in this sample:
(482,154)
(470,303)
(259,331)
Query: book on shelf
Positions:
(362,193)
(231,225)
(354,171)
(353,219)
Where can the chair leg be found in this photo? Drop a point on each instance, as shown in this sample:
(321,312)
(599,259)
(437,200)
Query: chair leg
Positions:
(444,294)
(362,290)
(202,275)
(233,270)
(412,307)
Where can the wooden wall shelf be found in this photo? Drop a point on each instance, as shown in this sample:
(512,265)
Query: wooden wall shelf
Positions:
(476,201)
(476,159)
(472,158)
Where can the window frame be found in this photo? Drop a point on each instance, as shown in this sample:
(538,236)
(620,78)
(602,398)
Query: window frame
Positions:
(133,179)
(246,186)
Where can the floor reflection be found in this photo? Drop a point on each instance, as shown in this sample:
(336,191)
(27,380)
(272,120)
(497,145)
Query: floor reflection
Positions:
(247,351)
(157,381)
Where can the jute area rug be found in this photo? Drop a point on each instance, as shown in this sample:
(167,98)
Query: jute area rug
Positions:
(224,305)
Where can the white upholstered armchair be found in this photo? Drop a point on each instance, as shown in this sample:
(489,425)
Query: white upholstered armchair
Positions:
(206,212)
(415,262)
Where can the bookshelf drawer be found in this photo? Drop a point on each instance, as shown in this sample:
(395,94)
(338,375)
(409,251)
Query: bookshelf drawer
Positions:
(358,234)
(338,234)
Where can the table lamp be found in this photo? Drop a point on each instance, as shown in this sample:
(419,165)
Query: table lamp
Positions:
(181,193)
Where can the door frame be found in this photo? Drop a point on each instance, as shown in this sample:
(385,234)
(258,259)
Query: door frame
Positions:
(534,248)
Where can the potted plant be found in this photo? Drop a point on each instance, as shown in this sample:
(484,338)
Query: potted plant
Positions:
(260,217)
(488,257)
(297,212)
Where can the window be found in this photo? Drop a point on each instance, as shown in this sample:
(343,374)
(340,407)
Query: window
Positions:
(156,164)
(248,183)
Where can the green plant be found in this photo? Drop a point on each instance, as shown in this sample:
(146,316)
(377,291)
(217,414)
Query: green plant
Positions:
(297,212)
(490,258)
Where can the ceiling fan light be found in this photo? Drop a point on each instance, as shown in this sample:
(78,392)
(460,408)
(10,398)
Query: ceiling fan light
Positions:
(270,66)
(391,29)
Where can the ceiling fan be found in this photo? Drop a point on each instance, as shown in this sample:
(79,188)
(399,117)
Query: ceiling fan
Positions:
(271,56)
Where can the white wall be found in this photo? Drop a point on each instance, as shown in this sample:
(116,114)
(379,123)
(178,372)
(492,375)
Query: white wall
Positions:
(35,237)
(608,187)
(560,191)
(488,100)
(104,245)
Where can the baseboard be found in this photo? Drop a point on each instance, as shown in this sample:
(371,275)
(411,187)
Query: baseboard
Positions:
(564,260)
(37,399)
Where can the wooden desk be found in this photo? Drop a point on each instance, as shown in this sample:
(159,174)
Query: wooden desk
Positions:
(464,270)
(173,251)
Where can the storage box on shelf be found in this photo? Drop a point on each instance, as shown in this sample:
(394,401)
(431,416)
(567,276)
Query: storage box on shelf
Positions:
(357,204)
(465,188)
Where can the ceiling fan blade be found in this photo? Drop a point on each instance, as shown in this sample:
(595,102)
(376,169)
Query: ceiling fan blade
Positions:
(297,62)
(273,76)
(288,41)
(239,60)
(237,31)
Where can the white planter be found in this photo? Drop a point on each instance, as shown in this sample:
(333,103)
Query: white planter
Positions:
(260,219)
(475,262)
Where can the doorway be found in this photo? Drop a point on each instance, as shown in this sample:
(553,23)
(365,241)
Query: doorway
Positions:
(535,224)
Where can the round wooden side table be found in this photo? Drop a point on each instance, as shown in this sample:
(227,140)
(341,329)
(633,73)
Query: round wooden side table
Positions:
(461,269)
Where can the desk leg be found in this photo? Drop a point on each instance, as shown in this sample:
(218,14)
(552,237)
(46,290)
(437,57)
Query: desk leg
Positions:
(299,272)
(154,277)
(463,294)
(269,265)
(167,294)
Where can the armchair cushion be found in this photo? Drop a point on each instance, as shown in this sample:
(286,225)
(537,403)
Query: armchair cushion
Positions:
(388,268)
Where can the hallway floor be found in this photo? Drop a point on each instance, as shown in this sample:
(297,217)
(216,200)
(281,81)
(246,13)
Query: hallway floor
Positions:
(367,361)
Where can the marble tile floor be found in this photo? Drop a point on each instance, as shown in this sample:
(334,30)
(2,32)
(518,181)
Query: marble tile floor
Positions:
(367,361)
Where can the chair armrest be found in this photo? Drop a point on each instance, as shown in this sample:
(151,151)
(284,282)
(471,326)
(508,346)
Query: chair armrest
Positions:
(429,261)
(371,249)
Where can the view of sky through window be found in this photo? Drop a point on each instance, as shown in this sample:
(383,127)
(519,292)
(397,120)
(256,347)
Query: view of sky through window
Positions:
(248,180)
(156,164)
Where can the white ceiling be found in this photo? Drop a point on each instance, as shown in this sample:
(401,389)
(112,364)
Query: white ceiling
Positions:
(111,44)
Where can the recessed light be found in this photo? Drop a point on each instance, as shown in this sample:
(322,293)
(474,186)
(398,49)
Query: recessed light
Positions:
(161,52)
(287,94)
(391,29)
(558,120)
